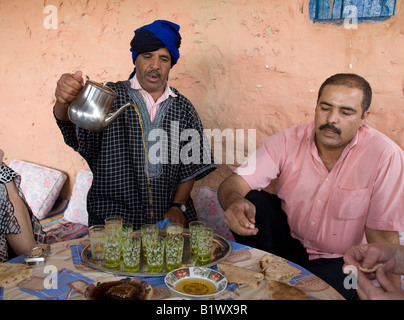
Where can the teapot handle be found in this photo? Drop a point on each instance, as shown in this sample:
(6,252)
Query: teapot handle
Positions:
(98,83)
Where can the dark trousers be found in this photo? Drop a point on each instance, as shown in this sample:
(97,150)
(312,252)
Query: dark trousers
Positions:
(274,237)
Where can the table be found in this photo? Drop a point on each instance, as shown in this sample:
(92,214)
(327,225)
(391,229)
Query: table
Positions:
(65,277)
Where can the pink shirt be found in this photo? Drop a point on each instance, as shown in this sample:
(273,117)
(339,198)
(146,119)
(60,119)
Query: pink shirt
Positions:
(328,211)
(152,106)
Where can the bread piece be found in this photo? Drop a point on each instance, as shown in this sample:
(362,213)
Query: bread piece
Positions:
(371,270)
(283,291)
(13,272)
(241,275)
(277,268)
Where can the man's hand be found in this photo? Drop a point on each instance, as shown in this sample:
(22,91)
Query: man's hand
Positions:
(175,215)
(388,290)
(67,90)
(240,217)
(239,213)
(369,255)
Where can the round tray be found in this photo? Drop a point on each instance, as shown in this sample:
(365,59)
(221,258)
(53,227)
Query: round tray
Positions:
(221,248)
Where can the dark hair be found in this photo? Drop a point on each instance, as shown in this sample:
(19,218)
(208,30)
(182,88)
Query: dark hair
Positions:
(350,80)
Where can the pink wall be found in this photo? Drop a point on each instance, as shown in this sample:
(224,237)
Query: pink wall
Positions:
(244,64)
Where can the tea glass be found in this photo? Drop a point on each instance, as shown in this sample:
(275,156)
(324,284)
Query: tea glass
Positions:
(96,234)
(131,248)
(149,232)
(174,252)
(195,228)
(155,254)
(204,246)
(127,230)
(112,242)
(174,230)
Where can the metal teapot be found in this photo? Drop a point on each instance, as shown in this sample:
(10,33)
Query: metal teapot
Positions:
(90,110)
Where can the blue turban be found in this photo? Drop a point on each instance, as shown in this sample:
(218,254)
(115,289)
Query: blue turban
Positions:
(159,34)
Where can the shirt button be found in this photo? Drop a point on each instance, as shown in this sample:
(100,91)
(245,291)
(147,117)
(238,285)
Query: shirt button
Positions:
(308,242)
(319,200)
(312,223)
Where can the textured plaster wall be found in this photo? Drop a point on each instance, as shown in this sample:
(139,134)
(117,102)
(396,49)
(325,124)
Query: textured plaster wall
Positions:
(253,64)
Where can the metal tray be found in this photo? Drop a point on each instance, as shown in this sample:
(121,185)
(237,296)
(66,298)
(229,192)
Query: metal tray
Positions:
(221,248)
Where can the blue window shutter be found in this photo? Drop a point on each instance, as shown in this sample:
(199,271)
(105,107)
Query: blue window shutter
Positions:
(337,10)
(379,8)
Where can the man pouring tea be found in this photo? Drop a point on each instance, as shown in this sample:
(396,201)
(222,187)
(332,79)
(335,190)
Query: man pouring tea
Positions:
(126,182)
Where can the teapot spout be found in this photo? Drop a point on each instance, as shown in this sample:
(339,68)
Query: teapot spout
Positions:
(112,116)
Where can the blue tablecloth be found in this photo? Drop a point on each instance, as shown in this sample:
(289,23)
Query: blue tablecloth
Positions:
(67,276)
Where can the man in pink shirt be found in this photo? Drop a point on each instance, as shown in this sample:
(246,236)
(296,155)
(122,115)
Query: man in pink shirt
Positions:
(340,183)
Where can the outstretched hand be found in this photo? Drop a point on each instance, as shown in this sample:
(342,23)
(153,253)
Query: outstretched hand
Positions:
(240,217)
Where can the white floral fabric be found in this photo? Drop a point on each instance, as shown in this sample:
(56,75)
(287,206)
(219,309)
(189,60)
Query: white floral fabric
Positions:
(40,185)
(77,209)
(209,211)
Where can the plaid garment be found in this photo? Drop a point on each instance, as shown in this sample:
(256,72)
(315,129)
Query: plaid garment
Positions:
(8,221)
(116,157)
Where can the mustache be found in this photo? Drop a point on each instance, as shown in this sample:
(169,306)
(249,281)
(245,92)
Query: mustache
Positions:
(330,127)
(153,73)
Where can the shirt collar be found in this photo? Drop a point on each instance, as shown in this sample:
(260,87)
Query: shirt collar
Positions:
(135,84)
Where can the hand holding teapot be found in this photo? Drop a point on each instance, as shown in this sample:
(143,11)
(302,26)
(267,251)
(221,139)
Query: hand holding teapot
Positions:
(67,90)
(88,107)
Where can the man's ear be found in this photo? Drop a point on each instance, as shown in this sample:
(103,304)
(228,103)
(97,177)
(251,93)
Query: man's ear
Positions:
(365,116)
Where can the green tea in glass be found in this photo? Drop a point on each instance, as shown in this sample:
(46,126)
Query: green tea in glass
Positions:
(174,252)
(155,254)
(112,242)
(195,228)
(204,246)
(149,232)
(131,247)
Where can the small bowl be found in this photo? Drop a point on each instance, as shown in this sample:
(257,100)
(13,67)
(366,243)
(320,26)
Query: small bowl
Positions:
(211,281)
(122,280)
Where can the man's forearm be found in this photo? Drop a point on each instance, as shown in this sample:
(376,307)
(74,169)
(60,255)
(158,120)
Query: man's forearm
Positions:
(232,188)
(374,235)
(183,191)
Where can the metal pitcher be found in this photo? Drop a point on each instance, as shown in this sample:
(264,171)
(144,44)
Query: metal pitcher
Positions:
(90,110)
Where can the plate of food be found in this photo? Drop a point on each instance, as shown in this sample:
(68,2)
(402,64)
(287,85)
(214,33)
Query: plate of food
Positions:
(196,282)
(118,288)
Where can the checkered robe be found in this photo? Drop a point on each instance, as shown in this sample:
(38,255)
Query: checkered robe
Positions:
(8,221)
(116,157)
